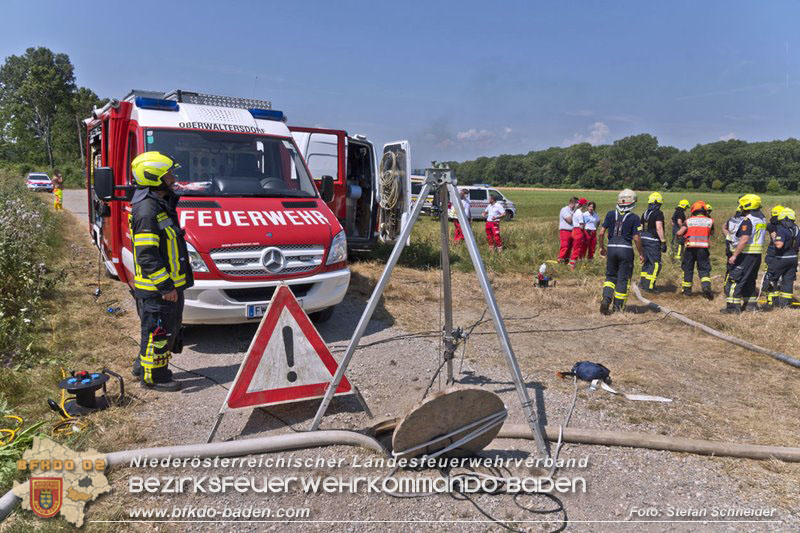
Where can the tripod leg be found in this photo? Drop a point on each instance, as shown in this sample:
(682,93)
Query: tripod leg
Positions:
(370,309)
(447,293)
(499,325)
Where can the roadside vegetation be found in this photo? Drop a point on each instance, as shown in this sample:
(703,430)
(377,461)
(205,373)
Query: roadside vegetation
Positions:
(28,244)
(51,322)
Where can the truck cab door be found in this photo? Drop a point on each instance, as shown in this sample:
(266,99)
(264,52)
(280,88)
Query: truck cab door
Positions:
(325,153)
(394,190)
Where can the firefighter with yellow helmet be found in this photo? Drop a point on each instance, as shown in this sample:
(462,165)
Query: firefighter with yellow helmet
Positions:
(678,220)
(653,242)
(767,288)
(749,237)
(622,226)
(783,269)
(162,268)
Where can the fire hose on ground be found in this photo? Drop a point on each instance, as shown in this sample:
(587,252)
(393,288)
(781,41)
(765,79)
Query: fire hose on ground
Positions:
(315,439)
(789,360)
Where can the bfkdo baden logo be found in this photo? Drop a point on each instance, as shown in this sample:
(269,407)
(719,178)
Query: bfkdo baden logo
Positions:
(46,495)
(61,481)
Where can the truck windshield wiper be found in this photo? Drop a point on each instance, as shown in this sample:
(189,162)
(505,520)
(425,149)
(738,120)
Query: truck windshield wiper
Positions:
(265,194)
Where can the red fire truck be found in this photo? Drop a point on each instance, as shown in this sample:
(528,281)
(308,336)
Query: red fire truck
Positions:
(252,213)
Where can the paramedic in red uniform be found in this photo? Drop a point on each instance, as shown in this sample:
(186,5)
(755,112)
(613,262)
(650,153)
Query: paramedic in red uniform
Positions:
(590,221)
(494,212)
(579,237)
(465,203)
(565,229)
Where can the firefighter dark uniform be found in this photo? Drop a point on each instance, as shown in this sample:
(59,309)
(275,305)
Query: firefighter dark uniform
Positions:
(161,264)
(740,290)
(783,271)
(679,215)
(622,225)
(651,243)
(767,289)
(697,237)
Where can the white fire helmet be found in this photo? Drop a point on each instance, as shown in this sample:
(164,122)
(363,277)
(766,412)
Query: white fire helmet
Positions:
(626,201)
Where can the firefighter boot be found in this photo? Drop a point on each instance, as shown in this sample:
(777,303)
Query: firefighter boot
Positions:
(136,371)
(604,306)
(732,309)
(707,294)
(155,374)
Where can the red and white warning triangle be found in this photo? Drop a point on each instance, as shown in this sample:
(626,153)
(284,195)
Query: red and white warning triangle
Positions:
(287,360)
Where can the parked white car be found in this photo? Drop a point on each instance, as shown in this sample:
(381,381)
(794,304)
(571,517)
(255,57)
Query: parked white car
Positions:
(39,181)
(479,199)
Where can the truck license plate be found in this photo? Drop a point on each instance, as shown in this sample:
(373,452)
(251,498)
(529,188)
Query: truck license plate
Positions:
(258,310)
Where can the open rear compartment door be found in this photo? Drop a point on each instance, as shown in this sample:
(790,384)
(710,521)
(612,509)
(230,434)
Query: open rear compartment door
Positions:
(361,222)
(394,190)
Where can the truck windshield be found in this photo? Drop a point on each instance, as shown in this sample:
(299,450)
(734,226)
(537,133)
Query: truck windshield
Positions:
(233,164)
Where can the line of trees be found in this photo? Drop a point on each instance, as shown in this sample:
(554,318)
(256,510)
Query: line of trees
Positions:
(640,163)
(41,112)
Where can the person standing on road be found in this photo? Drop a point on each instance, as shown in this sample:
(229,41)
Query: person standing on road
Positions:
(653,242)
(565,229)
(623,227)
(748,244)
(697,234)
(783,271)
(494,213)
(162,268)
(767,287)
(58,190)
(678,220)
(579,236)
(590,221)
(453,215)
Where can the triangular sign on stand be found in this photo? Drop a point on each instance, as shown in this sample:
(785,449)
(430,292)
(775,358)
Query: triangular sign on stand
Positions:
(287,360)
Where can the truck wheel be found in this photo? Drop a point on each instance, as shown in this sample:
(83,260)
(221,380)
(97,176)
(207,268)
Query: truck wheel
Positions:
(320,317)
(509,214)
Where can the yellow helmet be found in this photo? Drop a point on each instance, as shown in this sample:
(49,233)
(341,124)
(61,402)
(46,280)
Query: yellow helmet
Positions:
(655,198)
(683,204)
(787,213)
(748,202)
(776,211)
(148,168)
(708,207)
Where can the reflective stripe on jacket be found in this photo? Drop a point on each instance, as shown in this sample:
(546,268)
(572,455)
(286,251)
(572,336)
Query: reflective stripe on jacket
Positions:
(160,257)
(698,231)
(758,235)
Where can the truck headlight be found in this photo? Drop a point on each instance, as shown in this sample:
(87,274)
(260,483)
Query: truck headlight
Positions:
(197,263)
(338,251)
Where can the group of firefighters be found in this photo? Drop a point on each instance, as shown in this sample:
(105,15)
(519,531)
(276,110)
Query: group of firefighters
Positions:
(746,236)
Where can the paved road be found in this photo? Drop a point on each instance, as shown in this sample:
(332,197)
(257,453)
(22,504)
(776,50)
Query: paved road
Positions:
(75,200)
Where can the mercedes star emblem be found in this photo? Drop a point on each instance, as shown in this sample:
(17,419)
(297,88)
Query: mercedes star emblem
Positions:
(273,260)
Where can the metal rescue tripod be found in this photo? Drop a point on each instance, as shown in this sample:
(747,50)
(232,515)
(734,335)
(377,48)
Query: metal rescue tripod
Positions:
(443,181)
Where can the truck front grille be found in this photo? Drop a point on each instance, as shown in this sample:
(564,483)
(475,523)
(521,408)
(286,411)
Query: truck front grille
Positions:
(245,261)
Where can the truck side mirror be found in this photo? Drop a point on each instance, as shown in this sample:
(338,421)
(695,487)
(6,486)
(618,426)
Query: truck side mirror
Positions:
(327,188)
(104,183)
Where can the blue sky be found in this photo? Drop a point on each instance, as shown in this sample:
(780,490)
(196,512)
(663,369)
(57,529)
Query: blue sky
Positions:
(458,79)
